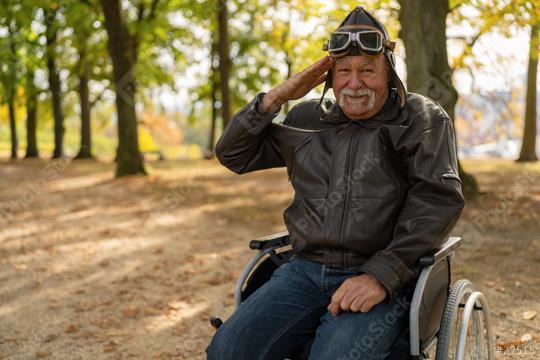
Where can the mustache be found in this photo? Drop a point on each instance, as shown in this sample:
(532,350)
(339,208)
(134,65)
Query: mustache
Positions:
(355,95)
(359,92)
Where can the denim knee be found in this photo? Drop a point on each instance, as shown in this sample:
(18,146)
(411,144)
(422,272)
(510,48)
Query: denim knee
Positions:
(215,350)
(224,346)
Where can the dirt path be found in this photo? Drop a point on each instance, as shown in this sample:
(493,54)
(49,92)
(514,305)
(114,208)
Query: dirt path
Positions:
(97,268)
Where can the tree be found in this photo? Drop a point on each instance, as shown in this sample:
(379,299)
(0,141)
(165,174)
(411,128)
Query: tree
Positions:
(12,89)
(31,94)
(528,147)
(224,60)
(10,72)
(31,59)
(51,35)
(503,16)
(140,35)
(123,48)
(261,42)
(209,154)
(89,41)
(423,31)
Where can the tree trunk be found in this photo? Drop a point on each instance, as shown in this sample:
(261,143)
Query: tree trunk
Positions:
(214,84)
(224,61)
(128,157)
(13,126)
(55,87)
(12,90)
(528,147)
(423,31)
(31,116)
(85,151)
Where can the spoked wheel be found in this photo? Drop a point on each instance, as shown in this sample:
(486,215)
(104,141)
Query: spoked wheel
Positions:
(466,326)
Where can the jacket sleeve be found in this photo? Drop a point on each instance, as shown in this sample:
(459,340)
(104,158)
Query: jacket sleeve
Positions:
(246,143)
(430,210)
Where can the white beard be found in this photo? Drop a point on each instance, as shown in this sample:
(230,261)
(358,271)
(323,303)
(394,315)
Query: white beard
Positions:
(357,98)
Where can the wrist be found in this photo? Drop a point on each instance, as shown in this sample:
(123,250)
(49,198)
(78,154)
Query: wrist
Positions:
(271,102)
(377,282)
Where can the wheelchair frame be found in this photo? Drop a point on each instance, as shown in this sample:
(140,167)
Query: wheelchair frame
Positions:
(434,309)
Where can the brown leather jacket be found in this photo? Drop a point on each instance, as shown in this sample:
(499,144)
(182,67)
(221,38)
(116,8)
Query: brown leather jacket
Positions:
(373,194)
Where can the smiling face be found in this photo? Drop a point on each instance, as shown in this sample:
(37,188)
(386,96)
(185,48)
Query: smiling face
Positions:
(360,85)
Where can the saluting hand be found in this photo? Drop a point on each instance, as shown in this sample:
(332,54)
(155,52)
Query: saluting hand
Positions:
(297,85)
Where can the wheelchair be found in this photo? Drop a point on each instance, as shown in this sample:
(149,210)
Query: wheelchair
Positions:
(446,322)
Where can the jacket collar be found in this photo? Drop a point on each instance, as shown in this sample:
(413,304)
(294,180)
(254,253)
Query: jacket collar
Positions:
(390,112)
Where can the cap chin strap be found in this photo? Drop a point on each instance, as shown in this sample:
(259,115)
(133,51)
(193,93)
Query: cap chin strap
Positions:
(327,86)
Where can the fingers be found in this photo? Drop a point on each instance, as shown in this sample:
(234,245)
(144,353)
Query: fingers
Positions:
(334,306)
(318,68)
(319,81)
(325,63)
(361,304)
(366,307)
(320,64)
(347,300)
(357,294)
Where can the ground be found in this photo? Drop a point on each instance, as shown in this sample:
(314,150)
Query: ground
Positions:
(93,267)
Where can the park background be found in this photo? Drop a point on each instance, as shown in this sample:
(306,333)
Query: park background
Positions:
(120,234)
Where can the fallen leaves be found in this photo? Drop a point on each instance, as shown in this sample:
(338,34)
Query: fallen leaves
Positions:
(50,338)
(43,354)
(525,338)
(105,322)
(110,347)
(132,311)
(528,315)
(495,285)
(107,294)
(70,329)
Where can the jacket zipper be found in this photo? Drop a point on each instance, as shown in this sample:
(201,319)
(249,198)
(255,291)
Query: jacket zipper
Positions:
(346,200)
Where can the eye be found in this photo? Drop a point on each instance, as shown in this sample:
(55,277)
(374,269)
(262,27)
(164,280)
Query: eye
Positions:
(343,71)
(367,71)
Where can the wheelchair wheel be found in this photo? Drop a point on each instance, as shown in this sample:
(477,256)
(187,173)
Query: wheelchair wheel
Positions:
(474,336)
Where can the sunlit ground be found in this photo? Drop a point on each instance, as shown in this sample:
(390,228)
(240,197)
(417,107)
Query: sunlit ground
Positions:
(94,267)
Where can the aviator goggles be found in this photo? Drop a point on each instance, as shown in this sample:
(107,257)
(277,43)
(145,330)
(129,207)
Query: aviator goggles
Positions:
(368,42)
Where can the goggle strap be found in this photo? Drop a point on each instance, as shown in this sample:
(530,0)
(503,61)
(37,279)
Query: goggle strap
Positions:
(389,44)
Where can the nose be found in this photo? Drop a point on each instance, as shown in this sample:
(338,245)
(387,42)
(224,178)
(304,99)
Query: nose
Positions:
(355,82)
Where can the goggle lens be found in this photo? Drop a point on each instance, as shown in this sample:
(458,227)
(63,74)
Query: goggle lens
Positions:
(339,41)
(370,40)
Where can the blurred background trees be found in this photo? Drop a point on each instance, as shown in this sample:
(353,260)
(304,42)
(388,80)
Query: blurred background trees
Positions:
(126,80)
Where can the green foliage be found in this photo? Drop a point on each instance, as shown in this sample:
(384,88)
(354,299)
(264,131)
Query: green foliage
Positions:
(269,39)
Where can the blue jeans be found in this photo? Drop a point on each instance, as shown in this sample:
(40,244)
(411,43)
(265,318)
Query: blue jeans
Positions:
(290,310)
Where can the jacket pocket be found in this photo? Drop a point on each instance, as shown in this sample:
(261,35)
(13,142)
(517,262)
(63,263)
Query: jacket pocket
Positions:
(369,224)
(297,155)
(304,220)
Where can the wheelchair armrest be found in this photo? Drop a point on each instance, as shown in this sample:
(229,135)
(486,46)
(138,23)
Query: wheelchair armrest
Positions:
(444,251)
(274,240)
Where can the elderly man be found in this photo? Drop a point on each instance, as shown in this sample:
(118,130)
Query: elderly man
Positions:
(376,187)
